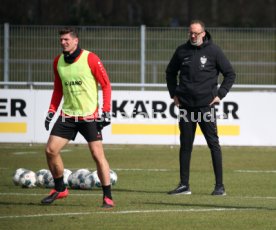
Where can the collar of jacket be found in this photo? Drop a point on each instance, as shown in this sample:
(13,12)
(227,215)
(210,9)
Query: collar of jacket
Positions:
(70,58)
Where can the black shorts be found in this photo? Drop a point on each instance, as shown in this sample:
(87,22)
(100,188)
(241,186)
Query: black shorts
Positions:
(68,128)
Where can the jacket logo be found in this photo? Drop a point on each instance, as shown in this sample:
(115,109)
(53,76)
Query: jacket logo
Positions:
(203,61)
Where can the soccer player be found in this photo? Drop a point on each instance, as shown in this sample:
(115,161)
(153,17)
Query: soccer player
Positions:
(198,63)
(77,75)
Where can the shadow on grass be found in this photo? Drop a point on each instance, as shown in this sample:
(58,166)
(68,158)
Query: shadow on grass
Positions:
(10,203)
(138,191)
(209,206)
(165,192)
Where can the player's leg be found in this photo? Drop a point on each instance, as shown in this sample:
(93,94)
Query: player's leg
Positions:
(208,127)
(55,164)
(96,149)
(52,151)
(94,140)
(54,160)
(187,129)
(103,170)
(63,131)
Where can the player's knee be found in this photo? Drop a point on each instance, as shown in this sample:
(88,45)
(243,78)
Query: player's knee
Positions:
(214,146)
(50,152)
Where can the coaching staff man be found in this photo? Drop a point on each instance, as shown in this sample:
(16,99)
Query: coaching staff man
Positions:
(198,63)
(77,75)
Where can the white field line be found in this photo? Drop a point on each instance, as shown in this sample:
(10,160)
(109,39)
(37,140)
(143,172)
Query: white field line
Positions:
(23,153)
(66,150)
(34,152)
(133,169)
(257,197)
(150,170)
(167,170)
(115,148)
(177,210)
(43,194)
(256,171)
(128,212)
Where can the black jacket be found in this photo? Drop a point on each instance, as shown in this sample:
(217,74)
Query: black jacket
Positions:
(198,68)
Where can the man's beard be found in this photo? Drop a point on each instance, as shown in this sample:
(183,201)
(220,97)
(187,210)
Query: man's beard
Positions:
(195,43)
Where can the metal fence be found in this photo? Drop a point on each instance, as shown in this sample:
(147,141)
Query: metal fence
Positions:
(133,56)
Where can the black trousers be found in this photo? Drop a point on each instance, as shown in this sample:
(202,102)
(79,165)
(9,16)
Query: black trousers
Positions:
(188,120)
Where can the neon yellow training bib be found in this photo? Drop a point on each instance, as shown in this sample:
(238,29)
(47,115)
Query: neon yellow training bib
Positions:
(80,89)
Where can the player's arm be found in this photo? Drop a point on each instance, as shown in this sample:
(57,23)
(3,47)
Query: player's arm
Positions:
(228,73)
(56,96)
(102,78)
(171,74)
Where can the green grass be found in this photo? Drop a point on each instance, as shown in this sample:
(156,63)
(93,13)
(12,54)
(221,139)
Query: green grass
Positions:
(140,194)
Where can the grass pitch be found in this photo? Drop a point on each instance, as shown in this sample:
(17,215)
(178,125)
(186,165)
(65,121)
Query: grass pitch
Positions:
(145,174)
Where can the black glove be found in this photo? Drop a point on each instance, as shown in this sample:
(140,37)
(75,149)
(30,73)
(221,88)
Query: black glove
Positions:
(48,119)
(103,121)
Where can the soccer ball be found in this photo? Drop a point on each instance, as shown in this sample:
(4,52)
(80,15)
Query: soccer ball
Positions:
(48,180)
(96,179)
(44,178)
(40,177)
(113,177)
(27,179)
(88,182)
(81,174)
(73,180)
(17,174)
(66,174)
(77,177)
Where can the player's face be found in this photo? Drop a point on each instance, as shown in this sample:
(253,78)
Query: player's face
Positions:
(69,43)
(196,34)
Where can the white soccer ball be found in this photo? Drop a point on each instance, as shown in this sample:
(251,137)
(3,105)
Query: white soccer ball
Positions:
(113,177)
(17,175)
(88,183)
(77,177)
(48,180)
(66,174)
(27,179)
(40,177)
(73,180)
(96,179)
(82,171)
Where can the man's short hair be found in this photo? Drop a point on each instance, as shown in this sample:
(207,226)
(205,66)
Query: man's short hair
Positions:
(197,21)
(69,30)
